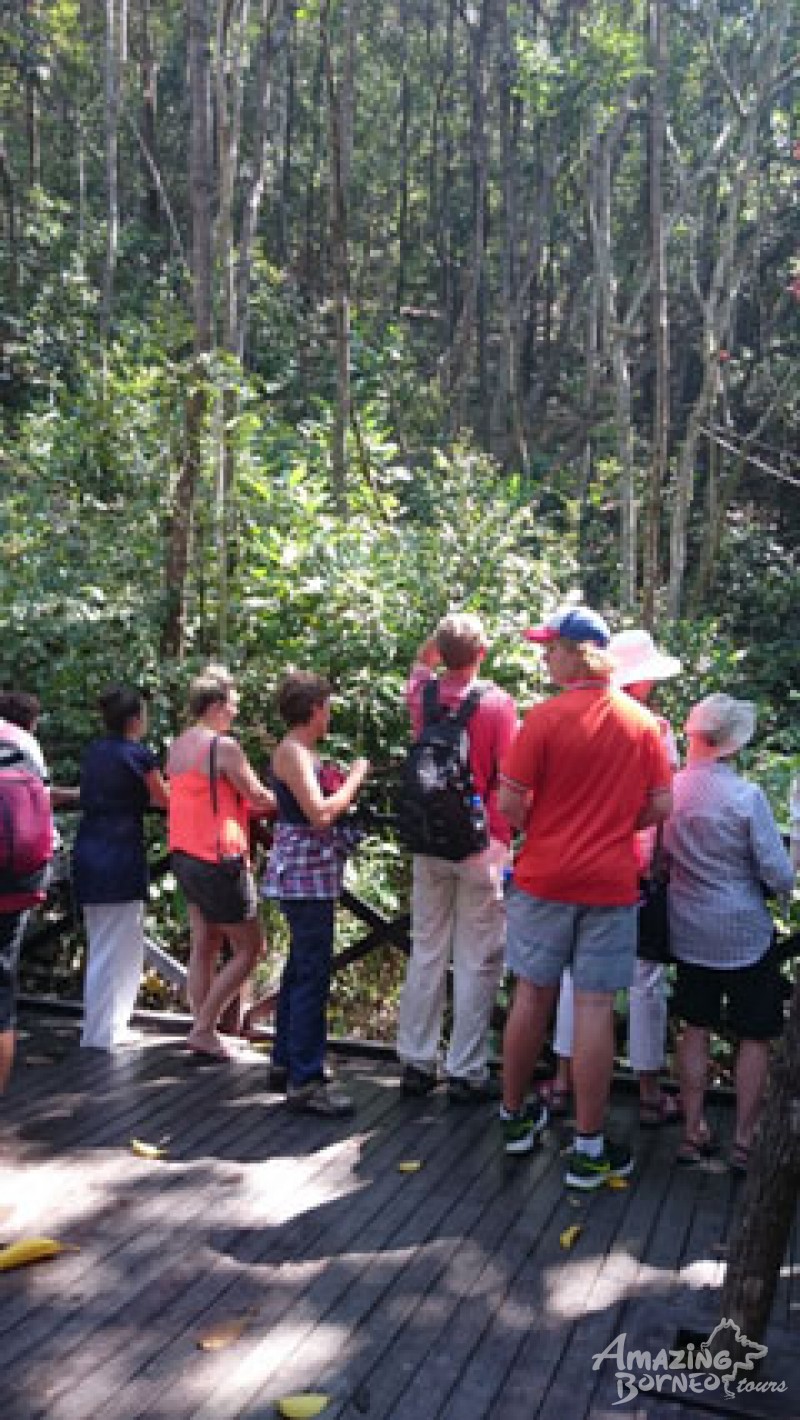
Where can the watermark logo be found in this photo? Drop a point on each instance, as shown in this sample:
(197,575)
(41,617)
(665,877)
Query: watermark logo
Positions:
(714,1364)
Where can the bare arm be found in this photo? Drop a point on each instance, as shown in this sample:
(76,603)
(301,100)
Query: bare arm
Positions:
(514,802)
(295,766)
(234,764)
(428,654)
(656,810)
(62,798)
(157,788)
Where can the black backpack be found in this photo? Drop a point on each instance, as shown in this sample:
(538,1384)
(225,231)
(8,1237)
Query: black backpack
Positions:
(439,813)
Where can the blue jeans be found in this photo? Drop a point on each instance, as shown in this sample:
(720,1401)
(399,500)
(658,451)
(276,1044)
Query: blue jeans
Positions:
(300,1015)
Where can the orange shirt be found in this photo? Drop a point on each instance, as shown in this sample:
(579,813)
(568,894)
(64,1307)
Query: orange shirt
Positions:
(591,757)
(193,827)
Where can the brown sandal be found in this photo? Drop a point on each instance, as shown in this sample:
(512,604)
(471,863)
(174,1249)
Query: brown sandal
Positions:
(556,1097)
(654,1113)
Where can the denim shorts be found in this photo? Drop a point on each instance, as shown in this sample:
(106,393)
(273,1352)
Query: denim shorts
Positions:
(598,943)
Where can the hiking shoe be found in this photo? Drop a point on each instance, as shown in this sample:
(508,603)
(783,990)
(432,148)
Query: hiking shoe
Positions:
(461,1091)
(278,1079)
(522,1128)
(319,1097)
(415,1082)
(583,1172)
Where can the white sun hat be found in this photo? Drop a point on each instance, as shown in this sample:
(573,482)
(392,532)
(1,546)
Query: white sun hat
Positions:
(638,659)
(725,724)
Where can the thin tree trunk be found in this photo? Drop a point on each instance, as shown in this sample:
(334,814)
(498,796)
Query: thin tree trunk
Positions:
(405,120)
(149,73)
(200,180)
(31,19)
(112,81)
(340,128)
(455,360)
(658,308)
(9,193)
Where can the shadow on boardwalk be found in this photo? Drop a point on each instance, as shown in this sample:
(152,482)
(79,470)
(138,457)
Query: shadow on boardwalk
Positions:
(442,1294)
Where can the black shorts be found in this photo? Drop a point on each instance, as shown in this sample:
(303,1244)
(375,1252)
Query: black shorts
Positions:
(747,1000)
(223,892)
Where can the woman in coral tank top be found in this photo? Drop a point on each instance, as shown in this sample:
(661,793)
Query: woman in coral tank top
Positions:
(213,791)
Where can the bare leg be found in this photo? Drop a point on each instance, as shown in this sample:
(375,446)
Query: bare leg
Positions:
(206,944)
(592,1058)
(525,1031)
(246,941)
(693,1073)
(8,1040)
(752,1066)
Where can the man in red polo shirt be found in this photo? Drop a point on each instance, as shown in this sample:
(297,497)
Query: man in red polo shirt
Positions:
(457,907)
(587,770)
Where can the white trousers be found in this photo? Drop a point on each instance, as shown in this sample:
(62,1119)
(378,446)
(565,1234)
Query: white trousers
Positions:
(113,971)
(647,1017)
(456,909)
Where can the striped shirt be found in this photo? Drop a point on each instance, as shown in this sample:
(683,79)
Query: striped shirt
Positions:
(724,848)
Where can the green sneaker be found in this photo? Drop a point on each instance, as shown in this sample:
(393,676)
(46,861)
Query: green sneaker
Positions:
(522,1128)
(587,1173)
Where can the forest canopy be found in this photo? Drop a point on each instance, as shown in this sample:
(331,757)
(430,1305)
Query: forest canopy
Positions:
(320,318)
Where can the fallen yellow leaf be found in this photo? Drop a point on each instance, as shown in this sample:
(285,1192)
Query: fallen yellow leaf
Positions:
(616,1182)
(570,1235)
(147,1151)
(20,1254)
(225,1332)
(409,1166)
(302,1407)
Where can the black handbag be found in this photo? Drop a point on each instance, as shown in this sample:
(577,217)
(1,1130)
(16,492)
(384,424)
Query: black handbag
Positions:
(653,943)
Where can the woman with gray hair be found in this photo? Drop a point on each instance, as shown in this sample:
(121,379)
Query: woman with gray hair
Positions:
(725,851)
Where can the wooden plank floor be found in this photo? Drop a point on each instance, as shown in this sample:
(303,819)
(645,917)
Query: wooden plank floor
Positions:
(441,1294)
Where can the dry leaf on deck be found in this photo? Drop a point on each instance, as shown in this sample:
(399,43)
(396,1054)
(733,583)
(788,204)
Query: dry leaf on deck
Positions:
(302,1407)
(20,1254)
(614,1181)
(147,1151)
(570,1235)
(224,1333)
(409,1166)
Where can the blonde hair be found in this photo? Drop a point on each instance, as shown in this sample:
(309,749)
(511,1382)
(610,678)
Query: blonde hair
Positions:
(460,638)
(211,687)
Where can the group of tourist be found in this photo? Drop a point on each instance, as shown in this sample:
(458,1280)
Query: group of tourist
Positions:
(590,786)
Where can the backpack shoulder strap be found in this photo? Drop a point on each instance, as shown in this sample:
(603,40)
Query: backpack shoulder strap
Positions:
(11,755)
(469,705)
(430,702)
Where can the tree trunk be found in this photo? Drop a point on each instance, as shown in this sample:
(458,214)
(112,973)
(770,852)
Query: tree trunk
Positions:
(769,1197)
(149,73)
(9,194)
(31,19)
(455,361)
(405,120)
(659,315)
(200,180)
(112,79)
(340,128)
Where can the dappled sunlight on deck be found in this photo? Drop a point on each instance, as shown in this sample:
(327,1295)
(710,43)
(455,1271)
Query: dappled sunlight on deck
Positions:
(441,1292)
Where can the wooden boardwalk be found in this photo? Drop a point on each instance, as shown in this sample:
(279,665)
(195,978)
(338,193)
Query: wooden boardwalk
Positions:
(442,1294)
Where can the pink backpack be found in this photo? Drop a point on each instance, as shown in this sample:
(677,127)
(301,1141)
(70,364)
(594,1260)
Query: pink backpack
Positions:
(26,819)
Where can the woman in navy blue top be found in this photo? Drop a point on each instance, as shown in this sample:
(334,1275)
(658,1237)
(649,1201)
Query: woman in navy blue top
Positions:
(120,779)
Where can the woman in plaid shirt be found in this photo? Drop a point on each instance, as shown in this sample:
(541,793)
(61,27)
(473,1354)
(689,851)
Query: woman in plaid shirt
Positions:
(305,872)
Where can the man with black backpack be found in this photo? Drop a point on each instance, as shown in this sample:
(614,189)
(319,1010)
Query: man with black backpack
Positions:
(449,818)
